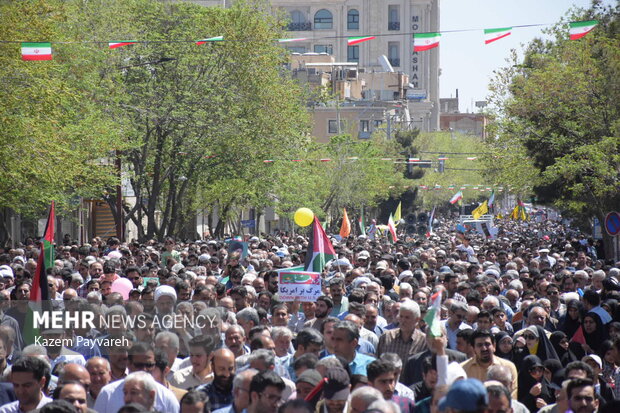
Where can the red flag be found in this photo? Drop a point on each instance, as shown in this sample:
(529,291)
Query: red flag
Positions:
(578,337)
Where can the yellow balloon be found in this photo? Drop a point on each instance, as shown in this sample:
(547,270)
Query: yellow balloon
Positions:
(304,217)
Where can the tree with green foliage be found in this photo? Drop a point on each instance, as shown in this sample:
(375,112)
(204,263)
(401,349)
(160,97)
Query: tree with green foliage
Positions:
(558,112)
(202,118)
(56,138)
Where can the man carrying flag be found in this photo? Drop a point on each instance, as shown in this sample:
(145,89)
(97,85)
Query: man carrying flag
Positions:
(320,249)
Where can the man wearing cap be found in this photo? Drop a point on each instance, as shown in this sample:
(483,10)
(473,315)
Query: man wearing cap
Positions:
(600,385)
(335,392)
(306,382)
(468,395)
(543,255)
(483,343)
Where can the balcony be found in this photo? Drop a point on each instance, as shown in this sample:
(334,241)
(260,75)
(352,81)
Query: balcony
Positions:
(299,27)
(395,62)
(393,25)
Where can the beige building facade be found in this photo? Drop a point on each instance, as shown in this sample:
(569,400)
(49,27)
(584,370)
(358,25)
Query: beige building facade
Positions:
(326,24)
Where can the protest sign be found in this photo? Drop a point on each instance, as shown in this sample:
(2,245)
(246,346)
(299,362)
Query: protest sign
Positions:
(299,285)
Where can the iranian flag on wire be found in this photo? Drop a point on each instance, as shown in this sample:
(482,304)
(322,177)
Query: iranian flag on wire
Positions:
(39,294)
(425,41)
(579,29)
(320,249)
(491,35)
(358,39)
(432,317)
(120,43)
(36,51)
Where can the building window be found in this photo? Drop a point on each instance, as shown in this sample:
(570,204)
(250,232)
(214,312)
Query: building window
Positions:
(323,48)
(297,49)
(393,18)
(323,19)
(353,20)
(298,22)
(353,54)
(394,53)
(377,123)
(364,126)
(332,126)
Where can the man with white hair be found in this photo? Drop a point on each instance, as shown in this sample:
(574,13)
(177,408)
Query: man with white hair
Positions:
(363,397)
(407,339)
(140,387)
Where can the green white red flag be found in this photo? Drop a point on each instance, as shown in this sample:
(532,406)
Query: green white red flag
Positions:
(121,43)
(320,249)
(579,29)
(425,41)
(491,35)
(432,317)
(392,228)
(36,51)
(456,197)
(359,39)
(296,39)
(210,39)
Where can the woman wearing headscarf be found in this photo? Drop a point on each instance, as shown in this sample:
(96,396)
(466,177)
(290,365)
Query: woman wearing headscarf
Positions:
(611,306)
(504,346)
(534,391)
(570,322)
(595,333)
(560,342)
(536,344)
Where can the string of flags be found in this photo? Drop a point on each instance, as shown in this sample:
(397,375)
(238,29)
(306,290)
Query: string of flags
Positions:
(421,41)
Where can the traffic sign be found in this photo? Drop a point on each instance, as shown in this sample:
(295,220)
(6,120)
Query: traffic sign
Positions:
(612,223)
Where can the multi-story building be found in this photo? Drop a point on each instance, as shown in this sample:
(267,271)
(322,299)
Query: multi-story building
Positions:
(326,24)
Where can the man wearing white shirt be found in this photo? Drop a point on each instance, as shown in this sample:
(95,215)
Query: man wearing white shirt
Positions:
(141,358)
(29,378)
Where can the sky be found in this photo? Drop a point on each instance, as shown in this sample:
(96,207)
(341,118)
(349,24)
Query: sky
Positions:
(466,63)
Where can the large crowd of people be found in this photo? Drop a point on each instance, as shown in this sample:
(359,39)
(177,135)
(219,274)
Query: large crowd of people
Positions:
(530,322)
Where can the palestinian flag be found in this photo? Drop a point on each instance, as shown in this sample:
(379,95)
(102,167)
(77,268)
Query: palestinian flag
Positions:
(39,294)
(320,249)
(359,39)
(491,35)
(210,39)
(579,29)
(392,228)
(432,317)
(456,197)
(425,41)
(121,43)
(345,227)
(36,51)
(298,39)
